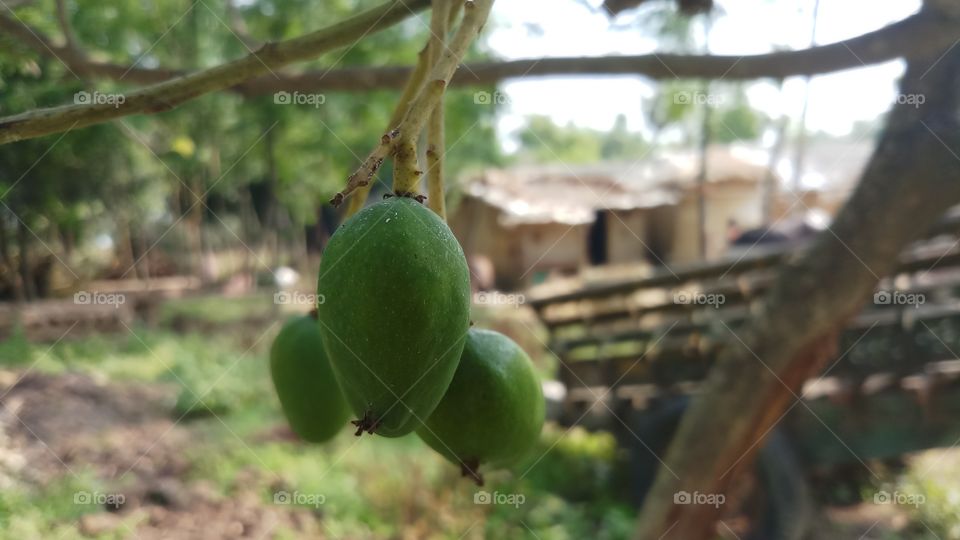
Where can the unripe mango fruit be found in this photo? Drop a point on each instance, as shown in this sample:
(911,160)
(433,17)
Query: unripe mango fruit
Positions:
(309,395)
(493,410)
(395,312)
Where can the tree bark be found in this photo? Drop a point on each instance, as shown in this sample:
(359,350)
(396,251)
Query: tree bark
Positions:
(26,274)
(15,282)
(915,36)
(911,179)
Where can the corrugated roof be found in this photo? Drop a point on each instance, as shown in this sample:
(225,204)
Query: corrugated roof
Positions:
(555,193)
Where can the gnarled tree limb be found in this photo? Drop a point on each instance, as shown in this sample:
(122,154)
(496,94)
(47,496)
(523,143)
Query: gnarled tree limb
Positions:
(911,179)
(168,94)
(917,35)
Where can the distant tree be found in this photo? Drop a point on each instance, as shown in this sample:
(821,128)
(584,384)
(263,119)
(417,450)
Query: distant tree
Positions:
(53,189)
(542,140)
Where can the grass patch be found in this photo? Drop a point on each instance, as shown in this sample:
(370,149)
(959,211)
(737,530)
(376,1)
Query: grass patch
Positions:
(214,309)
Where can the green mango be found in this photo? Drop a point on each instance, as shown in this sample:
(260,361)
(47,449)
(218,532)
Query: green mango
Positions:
(309,395)
(394,311)
(493,410)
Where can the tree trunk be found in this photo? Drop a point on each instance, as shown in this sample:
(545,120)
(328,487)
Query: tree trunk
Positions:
(800,152)
(911,179)
(702,175)
(16,282)
(26,274)
(771,186)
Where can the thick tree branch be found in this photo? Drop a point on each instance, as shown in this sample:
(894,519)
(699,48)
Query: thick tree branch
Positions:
(169,94)
(911,179)
(917,35)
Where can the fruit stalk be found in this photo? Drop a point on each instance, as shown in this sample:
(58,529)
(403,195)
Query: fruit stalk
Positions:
(435,136)
(415,107)
(407,174)
(359,181)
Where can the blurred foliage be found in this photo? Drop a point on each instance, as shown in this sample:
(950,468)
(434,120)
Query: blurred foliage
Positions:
(565,483)
(212,309)
(572,484)
(215,379)
(541,140)
(48,511)
(252,166)
(679,106)
(931,494)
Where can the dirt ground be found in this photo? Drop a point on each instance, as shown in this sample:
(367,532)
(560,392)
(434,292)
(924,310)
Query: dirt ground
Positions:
(55,425)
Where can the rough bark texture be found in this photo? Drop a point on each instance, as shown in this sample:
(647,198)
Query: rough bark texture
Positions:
(915,35)
(911,179)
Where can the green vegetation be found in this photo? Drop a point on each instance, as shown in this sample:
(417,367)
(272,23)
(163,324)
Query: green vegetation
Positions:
(562,491)
(50,511)
(542,141)
(214,309)
(220,172)
(573,484)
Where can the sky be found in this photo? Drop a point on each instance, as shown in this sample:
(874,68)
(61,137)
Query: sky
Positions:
(539,28)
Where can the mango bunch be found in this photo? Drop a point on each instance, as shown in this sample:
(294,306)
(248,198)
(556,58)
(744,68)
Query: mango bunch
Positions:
(392,341)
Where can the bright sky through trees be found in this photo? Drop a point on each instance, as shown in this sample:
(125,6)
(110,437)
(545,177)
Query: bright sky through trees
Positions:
(537,28)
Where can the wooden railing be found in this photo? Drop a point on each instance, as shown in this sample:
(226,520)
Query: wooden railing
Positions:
(629,344)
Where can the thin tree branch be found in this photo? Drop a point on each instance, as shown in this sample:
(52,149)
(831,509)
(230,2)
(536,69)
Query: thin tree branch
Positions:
(361,182)
(435,146)
(63,17)
(400,142)
(169,94)
(406,171)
